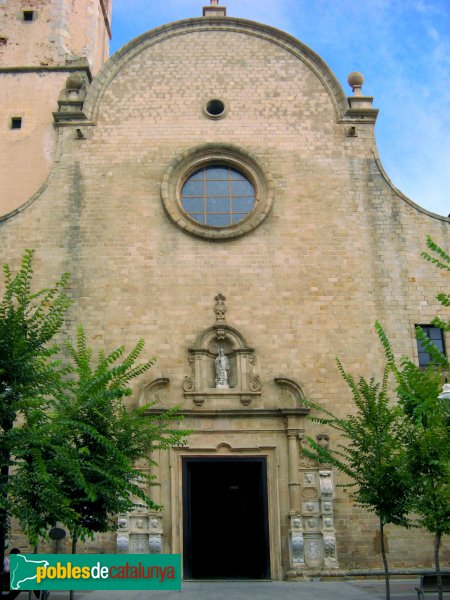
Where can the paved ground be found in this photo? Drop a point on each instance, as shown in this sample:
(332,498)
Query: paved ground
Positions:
(315,590)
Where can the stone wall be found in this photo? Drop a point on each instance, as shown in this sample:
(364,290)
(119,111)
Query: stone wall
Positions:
(339,250)
(36,56)
(58,31)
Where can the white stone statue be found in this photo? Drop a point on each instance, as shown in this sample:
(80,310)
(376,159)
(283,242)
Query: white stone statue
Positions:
(222,370)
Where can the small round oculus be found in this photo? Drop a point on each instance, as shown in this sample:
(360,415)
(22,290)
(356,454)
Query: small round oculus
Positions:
(215,107)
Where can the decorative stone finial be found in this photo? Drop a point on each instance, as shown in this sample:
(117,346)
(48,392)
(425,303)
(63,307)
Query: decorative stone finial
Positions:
(220,308)
(70,101)
(360,106)
(74,82)
(214,10)
(356,80)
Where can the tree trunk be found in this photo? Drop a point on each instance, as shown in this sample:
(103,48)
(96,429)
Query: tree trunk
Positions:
(4,478)
(74,551)
(385,563)
(437,545)
(35,551)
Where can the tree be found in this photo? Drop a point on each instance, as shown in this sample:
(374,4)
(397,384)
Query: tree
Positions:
(429,455)
(92,443)
(427,411)
(28,323)
(66,431)
(371,453)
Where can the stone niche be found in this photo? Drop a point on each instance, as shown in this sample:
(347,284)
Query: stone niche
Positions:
(244,383)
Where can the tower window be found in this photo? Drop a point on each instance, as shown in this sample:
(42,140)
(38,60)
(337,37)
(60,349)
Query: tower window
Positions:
(434,334)
(16,122)
(28,15)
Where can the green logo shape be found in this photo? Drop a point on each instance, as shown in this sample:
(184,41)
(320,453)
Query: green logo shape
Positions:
(95,571)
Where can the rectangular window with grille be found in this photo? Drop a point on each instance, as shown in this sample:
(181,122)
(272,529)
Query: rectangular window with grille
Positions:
(434,334)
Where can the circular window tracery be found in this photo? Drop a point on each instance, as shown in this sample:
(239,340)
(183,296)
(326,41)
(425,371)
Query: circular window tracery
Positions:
(218,196)
(217,191)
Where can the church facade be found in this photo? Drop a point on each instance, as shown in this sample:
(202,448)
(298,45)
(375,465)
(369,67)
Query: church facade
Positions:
(212,189)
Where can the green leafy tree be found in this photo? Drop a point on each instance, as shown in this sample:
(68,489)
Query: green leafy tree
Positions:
(36,497)
(92,445)
(428,449)
(28,372)
(370,452)
(67,433)
(427,410)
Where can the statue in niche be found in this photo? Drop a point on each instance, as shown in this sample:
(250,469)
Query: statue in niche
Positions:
(222,370)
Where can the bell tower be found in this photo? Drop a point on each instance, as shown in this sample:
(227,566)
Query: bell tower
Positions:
(42,43)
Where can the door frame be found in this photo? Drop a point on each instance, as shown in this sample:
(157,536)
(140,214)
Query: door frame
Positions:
(172,496)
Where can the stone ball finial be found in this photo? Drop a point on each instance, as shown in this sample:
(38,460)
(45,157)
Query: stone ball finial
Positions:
(74,82)
(356,80)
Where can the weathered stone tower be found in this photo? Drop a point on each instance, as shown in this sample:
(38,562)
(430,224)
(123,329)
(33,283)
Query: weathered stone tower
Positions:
(42,42)
(214,190)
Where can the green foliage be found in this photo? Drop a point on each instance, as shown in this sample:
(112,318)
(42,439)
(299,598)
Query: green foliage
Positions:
(67,432)
(370,451)
(35,496)
(398,457)
(94,442)
(429,449)
(428,442)
(441,260)
(28,322)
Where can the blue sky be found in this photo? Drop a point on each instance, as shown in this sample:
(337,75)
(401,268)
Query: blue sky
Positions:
(401,46)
